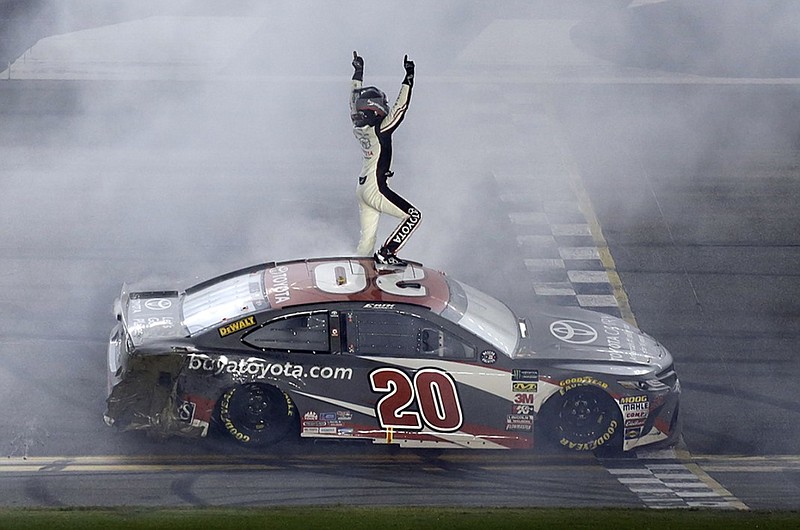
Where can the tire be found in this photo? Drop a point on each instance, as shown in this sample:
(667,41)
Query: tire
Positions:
(583,418)
(256,415)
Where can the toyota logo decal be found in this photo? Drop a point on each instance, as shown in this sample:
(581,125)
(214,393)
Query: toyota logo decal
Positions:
(158,304)
(573,332)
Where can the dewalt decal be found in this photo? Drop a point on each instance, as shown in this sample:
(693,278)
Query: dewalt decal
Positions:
(238,325)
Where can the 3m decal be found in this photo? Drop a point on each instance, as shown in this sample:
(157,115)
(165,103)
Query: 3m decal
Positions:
(524,398)
(238,325)
(434,392)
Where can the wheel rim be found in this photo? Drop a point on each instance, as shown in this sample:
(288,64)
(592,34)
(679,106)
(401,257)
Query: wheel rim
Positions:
(257,409)
(582,415)
(256,414)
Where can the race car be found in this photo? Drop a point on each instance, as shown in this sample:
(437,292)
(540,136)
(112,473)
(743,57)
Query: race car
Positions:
(345,348)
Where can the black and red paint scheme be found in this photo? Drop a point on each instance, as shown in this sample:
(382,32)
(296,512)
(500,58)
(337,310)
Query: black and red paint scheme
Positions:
(343,348)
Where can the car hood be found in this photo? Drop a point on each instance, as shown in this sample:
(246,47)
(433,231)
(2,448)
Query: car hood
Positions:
(577,336)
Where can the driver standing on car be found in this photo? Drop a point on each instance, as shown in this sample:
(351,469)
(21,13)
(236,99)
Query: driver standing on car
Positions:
(373,125)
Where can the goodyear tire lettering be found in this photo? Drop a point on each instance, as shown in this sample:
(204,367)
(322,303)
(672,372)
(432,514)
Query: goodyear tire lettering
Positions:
(224,414)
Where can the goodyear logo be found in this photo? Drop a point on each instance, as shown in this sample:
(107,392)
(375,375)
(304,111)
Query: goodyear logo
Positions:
(238,325)
(524,387)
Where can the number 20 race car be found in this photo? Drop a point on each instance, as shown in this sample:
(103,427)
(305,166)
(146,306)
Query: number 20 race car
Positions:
(342,348)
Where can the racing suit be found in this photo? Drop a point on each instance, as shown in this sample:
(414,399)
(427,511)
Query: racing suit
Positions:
(373,192)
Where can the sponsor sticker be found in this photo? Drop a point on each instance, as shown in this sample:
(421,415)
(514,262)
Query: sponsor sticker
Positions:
(278,285)
(635,414)
(524,374)
(524,387)
(238,325)
(523,399)
(519,422)
(573,382)
(626,407)
(256,368)
(633,399)
(158,304)
(186,411)
(573,332)
(631,433)
(379,306)
(488,357)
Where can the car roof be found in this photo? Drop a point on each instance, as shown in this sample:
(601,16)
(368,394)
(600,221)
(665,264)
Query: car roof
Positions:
(346,279)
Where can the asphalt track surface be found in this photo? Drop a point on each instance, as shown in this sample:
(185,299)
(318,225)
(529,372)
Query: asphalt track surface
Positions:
(699,212)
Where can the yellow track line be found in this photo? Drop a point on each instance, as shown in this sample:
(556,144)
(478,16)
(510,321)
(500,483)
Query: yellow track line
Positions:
(585,205)
(685,457)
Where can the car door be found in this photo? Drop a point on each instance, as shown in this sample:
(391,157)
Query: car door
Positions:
(427,380)
(329,392)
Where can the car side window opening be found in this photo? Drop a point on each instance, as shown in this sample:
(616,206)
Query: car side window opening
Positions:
(398,334)
(306,332)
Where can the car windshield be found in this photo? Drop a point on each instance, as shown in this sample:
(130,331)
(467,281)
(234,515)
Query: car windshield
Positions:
(225,300)
(483,315)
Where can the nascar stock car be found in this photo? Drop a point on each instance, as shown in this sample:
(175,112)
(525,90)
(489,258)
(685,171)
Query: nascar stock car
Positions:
(344,348)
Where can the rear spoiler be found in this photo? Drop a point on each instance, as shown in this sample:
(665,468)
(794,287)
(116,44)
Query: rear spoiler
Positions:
(122,303)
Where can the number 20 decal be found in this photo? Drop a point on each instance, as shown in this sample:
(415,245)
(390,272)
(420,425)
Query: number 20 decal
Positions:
(433,390)
(344,277)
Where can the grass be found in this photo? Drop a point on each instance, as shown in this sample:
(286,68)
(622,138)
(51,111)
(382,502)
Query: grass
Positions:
(371,518)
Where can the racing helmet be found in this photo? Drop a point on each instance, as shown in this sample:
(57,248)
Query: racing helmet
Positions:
(370,106)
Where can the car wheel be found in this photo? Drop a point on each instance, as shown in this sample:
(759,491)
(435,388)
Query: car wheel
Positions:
(583,418)
(256,415)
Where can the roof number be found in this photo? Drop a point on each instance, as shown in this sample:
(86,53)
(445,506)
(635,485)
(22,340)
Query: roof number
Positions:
(349,277)
(340,277)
